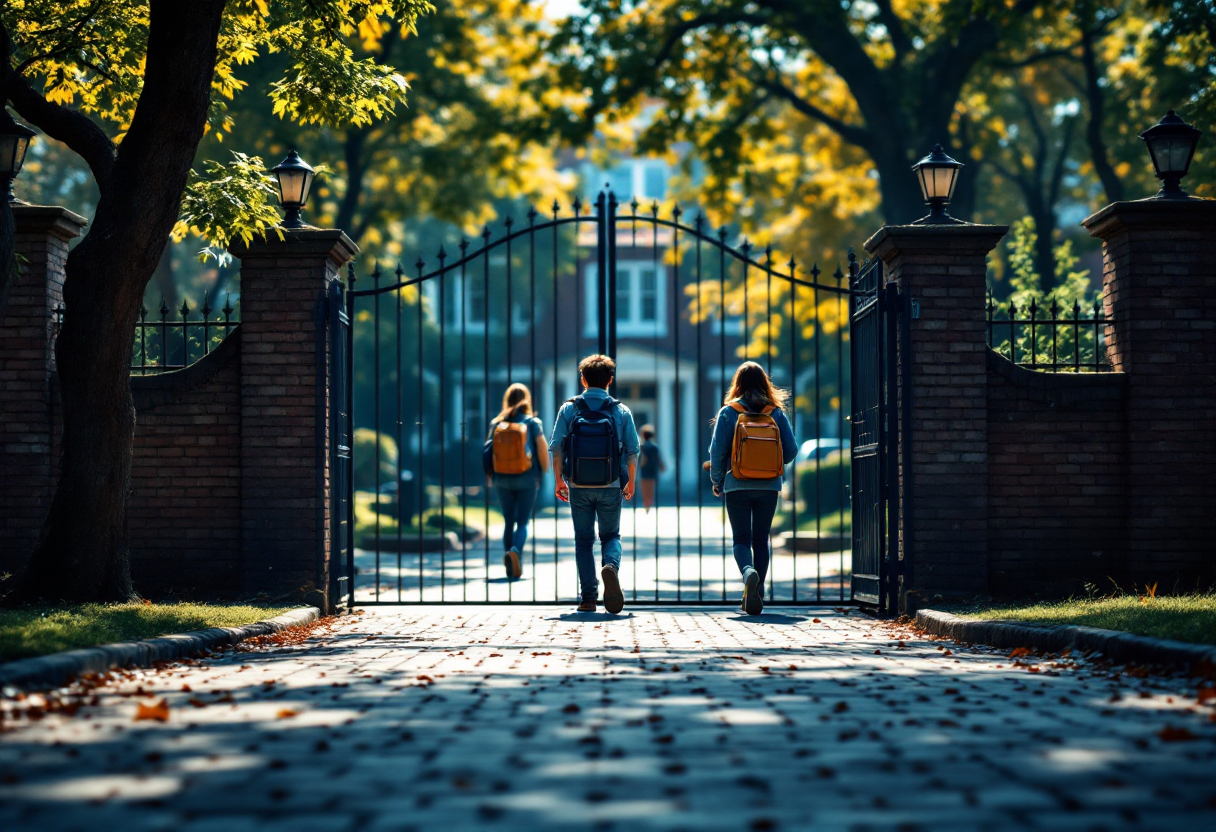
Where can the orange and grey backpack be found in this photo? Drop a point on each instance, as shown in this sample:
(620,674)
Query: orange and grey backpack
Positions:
(755,453)
(510,448)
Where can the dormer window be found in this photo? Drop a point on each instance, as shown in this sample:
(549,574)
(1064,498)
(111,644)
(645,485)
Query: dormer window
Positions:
(645,179)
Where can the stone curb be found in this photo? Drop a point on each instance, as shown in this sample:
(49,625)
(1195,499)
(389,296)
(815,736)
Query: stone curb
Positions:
(1116,645)
(58,669)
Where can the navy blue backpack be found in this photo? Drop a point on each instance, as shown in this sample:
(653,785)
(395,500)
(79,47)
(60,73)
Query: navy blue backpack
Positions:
(591,451)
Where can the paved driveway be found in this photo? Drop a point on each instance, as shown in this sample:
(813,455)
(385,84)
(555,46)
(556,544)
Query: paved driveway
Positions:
(538,718)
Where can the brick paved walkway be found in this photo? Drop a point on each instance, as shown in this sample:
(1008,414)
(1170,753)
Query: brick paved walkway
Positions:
(537,718)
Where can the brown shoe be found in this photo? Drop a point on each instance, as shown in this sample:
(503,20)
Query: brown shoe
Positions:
(614,599)
(515,569)
(587,605)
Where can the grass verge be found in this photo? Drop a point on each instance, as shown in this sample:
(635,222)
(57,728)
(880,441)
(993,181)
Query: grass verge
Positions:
(37,631)
(1181,617)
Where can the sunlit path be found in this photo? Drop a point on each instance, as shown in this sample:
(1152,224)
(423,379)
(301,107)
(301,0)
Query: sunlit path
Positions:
(670,555)
(538,718)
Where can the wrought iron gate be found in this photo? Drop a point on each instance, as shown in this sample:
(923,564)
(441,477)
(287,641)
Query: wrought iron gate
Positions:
(875,431)
(678,305)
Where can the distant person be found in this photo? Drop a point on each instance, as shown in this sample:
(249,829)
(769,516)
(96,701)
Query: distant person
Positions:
(517,457)
(595,449)
(751,445)
(651,466)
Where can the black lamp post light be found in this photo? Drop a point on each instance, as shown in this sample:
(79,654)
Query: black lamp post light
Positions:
(1171,144)
(295,181)
(14,141)
(937,174)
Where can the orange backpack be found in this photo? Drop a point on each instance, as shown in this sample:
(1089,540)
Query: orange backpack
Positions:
(756,450)
(511,452)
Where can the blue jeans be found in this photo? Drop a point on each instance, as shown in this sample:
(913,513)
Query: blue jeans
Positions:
(516,510)
(586,506)
(751,519)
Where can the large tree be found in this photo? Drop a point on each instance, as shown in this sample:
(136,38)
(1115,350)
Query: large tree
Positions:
(131,88)
(884,77)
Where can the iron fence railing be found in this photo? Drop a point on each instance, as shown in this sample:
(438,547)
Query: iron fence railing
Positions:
(175,340)
(1048,339)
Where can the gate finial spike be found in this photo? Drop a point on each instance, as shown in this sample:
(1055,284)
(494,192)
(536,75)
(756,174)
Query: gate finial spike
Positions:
(768,253)
(556,208)
(418,264)
(485,233)
(698,221)
(185,310)
(508,222)
(838,274)
(164,308)
(722,234)
(442,255)
(206,305)
(814,271)
(633,205)
(532,215)
(228,308)
(793,265)
(676,213)
(654,209)
(400,270)
(464,245)
(577,205)
(376,270)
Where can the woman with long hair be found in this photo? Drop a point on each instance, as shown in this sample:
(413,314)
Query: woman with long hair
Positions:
(519,458)
(751,445)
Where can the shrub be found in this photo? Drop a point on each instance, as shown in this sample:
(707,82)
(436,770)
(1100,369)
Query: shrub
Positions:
(366,457)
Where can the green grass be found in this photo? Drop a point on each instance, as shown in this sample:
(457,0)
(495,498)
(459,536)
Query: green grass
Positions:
(365,517)
(37,631)
(1181,617)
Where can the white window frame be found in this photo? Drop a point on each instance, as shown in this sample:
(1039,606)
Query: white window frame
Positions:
(628,323)
(595,177)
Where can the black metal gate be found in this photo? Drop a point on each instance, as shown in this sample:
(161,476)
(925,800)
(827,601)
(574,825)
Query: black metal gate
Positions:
(875,431)
(678,305)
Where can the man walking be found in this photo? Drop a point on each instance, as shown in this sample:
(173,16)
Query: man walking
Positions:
(595,449)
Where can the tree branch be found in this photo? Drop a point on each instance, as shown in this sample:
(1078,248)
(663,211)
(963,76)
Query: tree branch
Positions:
(79,132)
(852,133)
(895,28)
(1096,99)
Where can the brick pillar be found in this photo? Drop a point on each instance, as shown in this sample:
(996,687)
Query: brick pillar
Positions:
(284,412)
(27,361)
(1159,288)
(942,268)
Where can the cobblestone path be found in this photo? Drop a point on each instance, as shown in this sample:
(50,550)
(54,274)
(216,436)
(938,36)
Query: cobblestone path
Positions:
(539,718)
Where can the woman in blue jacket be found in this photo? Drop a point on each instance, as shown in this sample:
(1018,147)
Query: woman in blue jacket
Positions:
(750,503)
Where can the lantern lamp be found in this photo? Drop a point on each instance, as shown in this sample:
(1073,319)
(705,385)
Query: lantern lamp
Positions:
(1171,145)
(14,142)
(295,181)
(937,174)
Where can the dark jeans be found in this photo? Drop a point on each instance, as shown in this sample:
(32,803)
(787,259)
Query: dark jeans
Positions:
(516,511)
(751,519)
(588,505)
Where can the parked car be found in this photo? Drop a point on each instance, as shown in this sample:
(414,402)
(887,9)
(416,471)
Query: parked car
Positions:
(820,448)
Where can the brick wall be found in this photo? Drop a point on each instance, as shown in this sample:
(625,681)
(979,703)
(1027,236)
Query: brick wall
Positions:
(1057,463)
(944,268)
(1159,278)
(27,362)
(184,516)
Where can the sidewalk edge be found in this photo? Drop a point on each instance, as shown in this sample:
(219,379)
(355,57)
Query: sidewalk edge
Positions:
(1116,645)
(58,669)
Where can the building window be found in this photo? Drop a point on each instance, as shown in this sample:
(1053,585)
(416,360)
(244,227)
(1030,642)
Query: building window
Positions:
(642,178)
(640,300)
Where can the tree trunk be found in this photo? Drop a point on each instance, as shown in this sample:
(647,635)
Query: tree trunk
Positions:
(82,554)
(1044,249)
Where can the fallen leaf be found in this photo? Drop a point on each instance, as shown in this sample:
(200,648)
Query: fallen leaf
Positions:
(1019,652)
(187,689)
(1171,734)
(286,713)
(1205,695)
(841,707)
(571,709)
(816,621)
(196,702)
(157,710)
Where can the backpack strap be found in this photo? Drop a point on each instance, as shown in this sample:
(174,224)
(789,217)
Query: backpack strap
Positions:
(741,408)
(580,404)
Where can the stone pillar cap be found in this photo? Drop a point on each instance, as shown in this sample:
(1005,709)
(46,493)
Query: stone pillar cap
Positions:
(49,219)
(930,237)
(1166,213)
(299,242)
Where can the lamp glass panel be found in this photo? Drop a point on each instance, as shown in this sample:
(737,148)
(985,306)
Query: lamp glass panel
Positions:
(8,153)
(922,175)
(943,182)
(293,185)
(308,177)
(23,144)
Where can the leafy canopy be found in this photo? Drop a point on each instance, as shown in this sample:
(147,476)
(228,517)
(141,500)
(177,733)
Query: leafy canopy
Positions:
(89,55)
